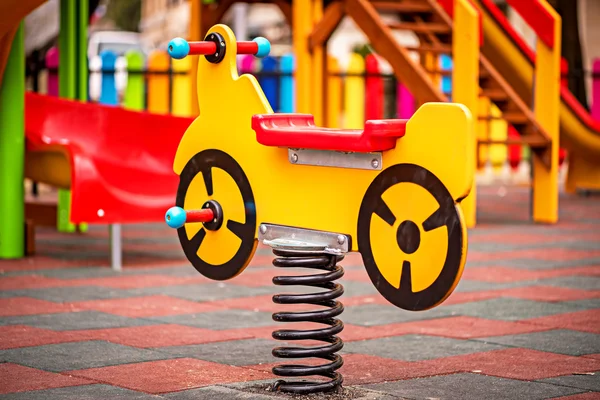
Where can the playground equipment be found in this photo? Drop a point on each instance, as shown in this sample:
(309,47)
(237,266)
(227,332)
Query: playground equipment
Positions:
(481,44)
(117,163)
(390,192)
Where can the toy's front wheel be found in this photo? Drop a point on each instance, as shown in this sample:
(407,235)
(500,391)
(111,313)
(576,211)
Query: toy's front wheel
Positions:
(412,237)
(221,249)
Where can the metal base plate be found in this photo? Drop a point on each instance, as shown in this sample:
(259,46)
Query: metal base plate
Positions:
(339,159)
(298,239)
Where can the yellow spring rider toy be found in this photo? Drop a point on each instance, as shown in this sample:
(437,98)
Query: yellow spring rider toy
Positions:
(390,192)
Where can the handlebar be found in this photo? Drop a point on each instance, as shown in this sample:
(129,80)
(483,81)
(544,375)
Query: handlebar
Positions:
(180,48)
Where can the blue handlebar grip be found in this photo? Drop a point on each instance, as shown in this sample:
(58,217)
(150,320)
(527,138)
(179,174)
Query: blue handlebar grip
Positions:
(179,48)
(264,47)
(175,217)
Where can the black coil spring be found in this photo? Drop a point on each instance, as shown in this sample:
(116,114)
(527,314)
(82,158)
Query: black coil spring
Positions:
(294,259)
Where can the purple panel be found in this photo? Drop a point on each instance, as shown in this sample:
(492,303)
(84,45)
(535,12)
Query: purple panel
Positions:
(52,66)
(405,103)
(596,90)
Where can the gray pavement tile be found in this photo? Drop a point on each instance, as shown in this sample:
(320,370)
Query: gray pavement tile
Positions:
(74,321)
(587,304)
(350,392)
(562,341)
(79,355)
(75,293)
(465,285)
(84,392)
(508,309)
(573,282)
(220,320)
(584,381)
(381,314)
(417,347)
(207,291)
(215,392)
(472,386)
(353,288)
(534,264)
(236,352)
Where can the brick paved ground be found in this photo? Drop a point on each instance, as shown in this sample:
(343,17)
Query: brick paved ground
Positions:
(524,322)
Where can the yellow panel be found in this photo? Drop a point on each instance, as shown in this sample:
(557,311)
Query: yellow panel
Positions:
(182,87)
(483,131)
(547,104)
(354,93)
(465,88)
(334,93)
(158,84)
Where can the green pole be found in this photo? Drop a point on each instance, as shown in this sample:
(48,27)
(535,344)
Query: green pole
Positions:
(72,80)
(12,152)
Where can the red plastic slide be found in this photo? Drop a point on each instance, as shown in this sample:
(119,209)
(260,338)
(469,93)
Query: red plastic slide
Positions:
(121,162)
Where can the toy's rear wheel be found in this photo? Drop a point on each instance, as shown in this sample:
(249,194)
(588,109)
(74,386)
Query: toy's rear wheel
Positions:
(224,252)
(412,237)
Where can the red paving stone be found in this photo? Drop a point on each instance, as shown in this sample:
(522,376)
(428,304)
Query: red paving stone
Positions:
(14,336)
(581,396)
(160,335)
(36,262)
(550,293)
(507,274)
(538,254)
(13,306)
(585,321)
(137,281)
(523,364)
(461,327)
(30,282)
(17,378)
(170,375)
(146,306)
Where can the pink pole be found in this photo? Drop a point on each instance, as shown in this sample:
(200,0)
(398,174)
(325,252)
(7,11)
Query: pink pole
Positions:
(406,102)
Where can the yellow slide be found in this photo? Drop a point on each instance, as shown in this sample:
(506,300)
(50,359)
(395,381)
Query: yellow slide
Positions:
(579,133)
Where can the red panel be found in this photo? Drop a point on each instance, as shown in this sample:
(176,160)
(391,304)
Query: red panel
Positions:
(121,161)
(374,88)
(514,150)
(538,18)
(299,131)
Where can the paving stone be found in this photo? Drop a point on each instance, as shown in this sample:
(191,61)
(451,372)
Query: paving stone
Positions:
(220,320)
(583,381)
(465,285)
(86,392)
(530,263)
(78,355)
(587,304)
(75,320)
(354,288)
(508,309)
(562,341)
(75,293)
(381,314)
(207,291)
(574,282)
(238,352)
(472,386)
(215,392)
(417,347)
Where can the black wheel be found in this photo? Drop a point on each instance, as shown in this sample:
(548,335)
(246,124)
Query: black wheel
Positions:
(412,237)
(220,249)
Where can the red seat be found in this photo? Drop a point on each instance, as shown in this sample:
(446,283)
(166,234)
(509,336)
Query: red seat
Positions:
(299,131)
(121,161)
